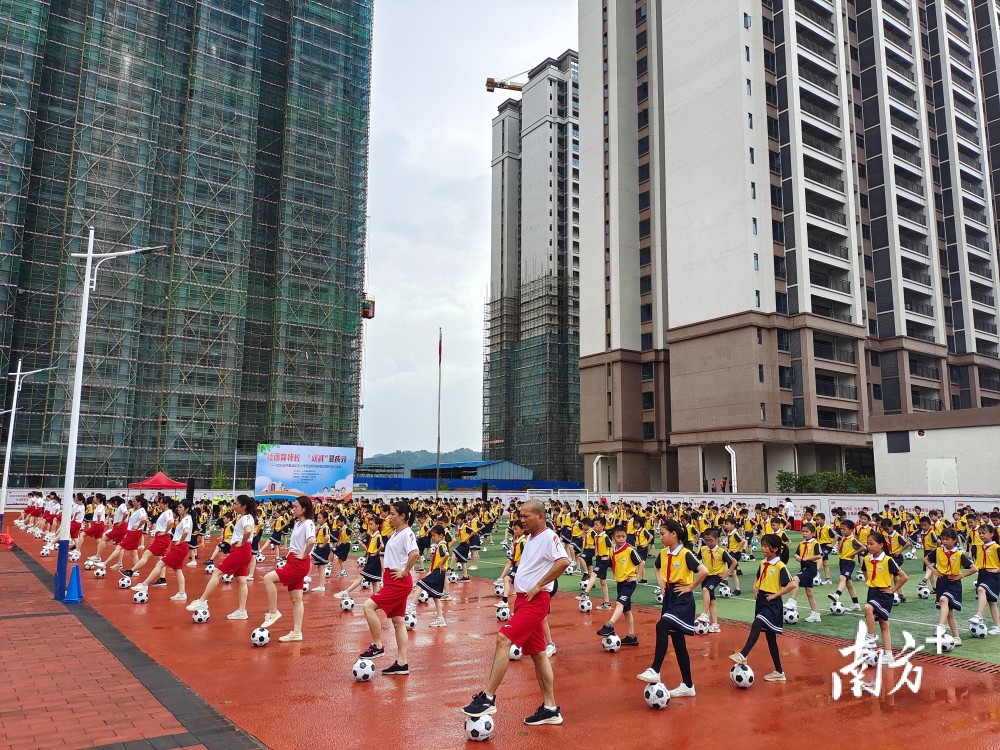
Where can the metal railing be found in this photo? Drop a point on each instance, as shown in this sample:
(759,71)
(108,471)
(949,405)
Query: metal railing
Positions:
(915,334)
(820,114)
(815,17)
(914,216)
(903,97)
(837,217)
(829,282)
(984,299)
(836,390)
(979,216)
(924,371)
(919,276)
(904,71)
(968,135)
(989,384)
(818,50)
(836,424)
(925,403)
(820,81)
(914,246)
(904,126)
(964,84)
(913,186)
(980,242)
(828,312)
(985,271)
(824,179)
(908,157)
(984,326)
(824,350)
(899,40)
(919,307)
(970,161)
(965,109)
(974,189)
(986,349)
(830,248)
(900,15)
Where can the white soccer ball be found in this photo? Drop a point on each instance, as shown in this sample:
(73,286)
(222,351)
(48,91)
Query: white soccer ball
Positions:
(347,604)
(45,551)
(870,657)
(210,568)
(260,637)
(753,547)
(124,582)
(859,576)
(611,643)
(305,586)
(423,596)
(503,614)
(515,652)
(586,605)
(479,728)
(363,670)
(362,561)
(200,615)
(947,643)
(724,591)
(700,627)
(656,695)
(498,589)
(570,570)
(227,577)
(583,584)
(659,597)
(366,584)
(279,565)
(895,598)
(140,597)
(741,675)
(74,555)
(923,592)
(88,565)
(791,616)
(837,608)
(328,571)
(410,621)
(453,577)
(355,548)
(909,554)
(977,629)
(100,572)
(260,557)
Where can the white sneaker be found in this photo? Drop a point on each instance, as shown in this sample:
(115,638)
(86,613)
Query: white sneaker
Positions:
(975,618)
(270,619)
(827,582)
(196,605)
(650,675)
(342,595)
(791,604)
(714,628)
(550,649)
(139,587)
(995,630)
(854,608)
(682,691)
(192,564)
(738,657)
(291,637)
(473,567)
(814,617)
(94,558)
(703,617)
(239,614)
(180,596)
(501,604)
(411,607)
(886,657)
(869,641)
(958,640)
(438,622)
(318,590)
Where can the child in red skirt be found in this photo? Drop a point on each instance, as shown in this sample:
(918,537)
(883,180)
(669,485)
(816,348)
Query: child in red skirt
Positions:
(293,573)
(161,536)
(175,555)
(237,562)
(132,536)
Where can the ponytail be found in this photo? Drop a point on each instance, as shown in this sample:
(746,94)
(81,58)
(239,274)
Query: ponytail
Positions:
(775,542)
(679,529)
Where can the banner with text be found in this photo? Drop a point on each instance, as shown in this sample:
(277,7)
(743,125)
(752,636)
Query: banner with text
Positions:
(286,471)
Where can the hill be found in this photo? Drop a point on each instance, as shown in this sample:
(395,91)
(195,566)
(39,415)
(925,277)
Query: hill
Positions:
(412,459)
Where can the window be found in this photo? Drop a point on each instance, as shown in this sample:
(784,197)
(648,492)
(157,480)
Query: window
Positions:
(645,256)
(649,431)
(645,284)
(640,14)
(750,120)
(643,200)
(640,40)
(749,87)
(751,155)
(763,412)
(877,391)
(768,28)
(781,303)
(774,164)
(753,190)
(897,442)
(746,22)
(641,65)
(777,199)
(780,270)
(760,335)
(772,128)
(644,145)
(876,360)
(787,415)
(756,262)
(746,52)
(646,341)
(645,228)
(610,430)
(646,370)
(770,61)
(609,398)
(647,400)
(771,93)
(760,373)
(646,313)
(643,119)
(756,297)
(784,341)
(753,225)
(643,172)
(784,377)
(642,92)
(777,230)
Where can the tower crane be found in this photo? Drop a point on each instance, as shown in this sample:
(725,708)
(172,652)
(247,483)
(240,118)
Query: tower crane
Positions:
(505,83)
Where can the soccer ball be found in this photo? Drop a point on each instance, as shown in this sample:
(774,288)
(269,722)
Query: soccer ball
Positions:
(328,571)
(498,589)
(700,627)
(363,670)
(279,565)
(657,696)
(586,605)
(503,614)
(837,608)
(227,577)
(896,599)
(354,548)
(753,547)
(100,572)
(612,643)
(515,652)
(659,597)
(347,604)
(74,555)
(745,557)
(453,577)
(423,596)
(570,570)
(947,643)
(362,561)
(977,629)
(200,615)
(410,621)
(140,597)
(909,554)
(45,551)
(305,586)
(870,657)
(479,728)
(724,591)
(859,576)
(741,675)
(260,557)
(89,565)
(260,637)
(924,592)
(657,590)
(791,616)
(124,582)
(583,584)
(498,582)
(210,568)
(366,584)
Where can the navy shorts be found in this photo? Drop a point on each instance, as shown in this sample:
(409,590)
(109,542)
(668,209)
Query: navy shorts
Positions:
(806,578)
(373,569)
(624,595)
(342,551)
(950,589)
(769,613)
(709,583)
(601,569)
(320,554)
(588,557)
(847,568)
(990,583)
(643,553)
(433,583)
(462,552)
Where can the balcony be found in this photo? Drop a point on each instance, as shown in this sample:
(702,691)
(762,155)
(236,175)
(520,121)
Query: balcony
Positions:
(819,81)
(904,127)
(816,176)
(899,68)
(977,216)
(837,424)
(899,40)
(970,161)
(829,312)
(914,333)
(966,110)
(989,384)
(925,403)
(912,185)
(829,248)
(830,282)
(908,156)
(974,189)
(924,371)
(958,7)
(980,270)
(837,217)
(915,216)
(964,84)
(985,326)
(921,308)
(914,246)
(820,145)
(970,135)
(836,390)
(983,298)
(819,113)
(818,49)
(818,19)
(897,13)
(903,96)
(987,349)
(825,350)
(919,276)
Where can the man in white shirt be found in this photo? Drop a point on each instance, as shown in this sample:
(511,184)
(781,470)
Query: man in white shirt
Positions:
(790,512)
(542,561)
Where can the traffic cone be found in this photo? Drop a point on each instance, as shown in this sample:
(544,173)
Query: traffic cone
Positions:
(75,591)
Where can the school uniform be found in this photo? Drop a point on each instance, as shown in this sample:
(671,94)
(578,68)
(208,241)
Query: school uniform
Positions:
(393,595)
(433,582)
(602,554)
(293,573)
(879,574)
(847,552)
(76,517)
(343,547)
(808,572)
(237,562)
(625,562)
(677,568)
(133,530)
(950,563)
(95,529)
(772,577)
(177,552)
(463,550)
(321,550)
(373,563)
(717,560)
(161,534)
(516,550)
(475,542)
(987,558)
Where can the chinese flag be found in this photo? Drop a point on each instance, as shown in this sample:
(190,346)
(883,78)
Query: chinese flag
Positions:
(440,346)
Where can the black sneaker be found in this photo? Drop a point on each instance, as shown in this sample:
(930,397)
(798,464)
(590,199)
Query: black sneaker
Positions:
(630,640)
(463,579)
(481,705)
(641,580)
(738,592)
(160,582)
(544,716)
(372,652)
(608,629)
(397,668)
(127,573)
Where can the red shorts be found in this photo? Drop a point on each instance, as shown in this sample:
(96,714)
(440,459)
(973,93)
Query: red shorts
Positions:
(524,629)
(175,556)
(237,562)
(48,517)
(74,529)
(116,533)
(159,545)
(33,512)
(391,598)
(293,573)
(130,541)
(95,530)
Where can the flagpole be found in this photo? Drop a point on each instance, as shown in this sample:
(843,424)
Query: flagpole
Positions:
(437,473)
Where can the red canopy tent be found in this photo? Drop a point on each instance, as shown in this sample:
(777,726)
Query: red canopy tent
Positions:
(159,481)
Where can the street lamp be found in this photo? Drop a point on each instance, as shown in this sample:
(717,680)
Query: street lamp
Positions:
(19,378)
(89,282)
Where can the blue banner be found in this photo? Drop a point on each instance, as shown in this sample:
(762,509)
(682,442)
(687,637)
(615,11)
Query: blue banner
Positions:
(286,471)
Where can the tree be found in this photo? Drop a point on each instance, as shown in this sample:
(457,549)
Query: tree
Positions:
(222,481)
(831,482)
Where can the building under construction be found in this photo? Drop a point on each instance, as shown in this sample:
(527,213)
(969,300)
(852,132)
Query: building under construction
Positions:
(233,134)
(531,398)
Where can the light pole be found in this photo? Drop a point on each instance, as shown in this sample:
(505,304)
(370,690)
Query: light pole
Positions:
(89,282)
(19,377)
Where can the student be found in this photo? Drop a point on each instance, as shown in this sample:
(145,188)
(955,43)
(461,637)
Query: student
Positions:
(321,552)
(949,564)
(513,560)
(117,531)
(678,573)
(462,552)
(602,561)
(433,582)
(343,548)
(808,553)
(130,540)
(884,578)
(372,571)
(174,557)
(825,536)
(895,544)
(642,541)
(847,551)
(161,538)
(735,546)
(197,530)
(96,528)
(587,541)
(400,556)
(771,583)
(987,559)
(77,515)
(237,562)
(292,574)
(929,542)
(624,563)
(720,566)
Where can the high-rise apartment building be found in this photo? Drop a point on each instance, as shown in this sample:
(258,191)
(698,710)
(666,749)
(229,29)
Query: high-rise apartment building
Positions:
(234,134)
(531,411)
(789,229)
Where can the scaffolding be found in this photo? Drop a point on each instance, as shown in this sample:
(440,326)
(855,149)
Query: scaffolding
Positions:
(245,154)
(531,382)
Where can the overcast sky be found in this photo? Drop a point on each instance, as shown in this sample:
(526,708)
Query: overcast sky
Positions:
(429,203)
